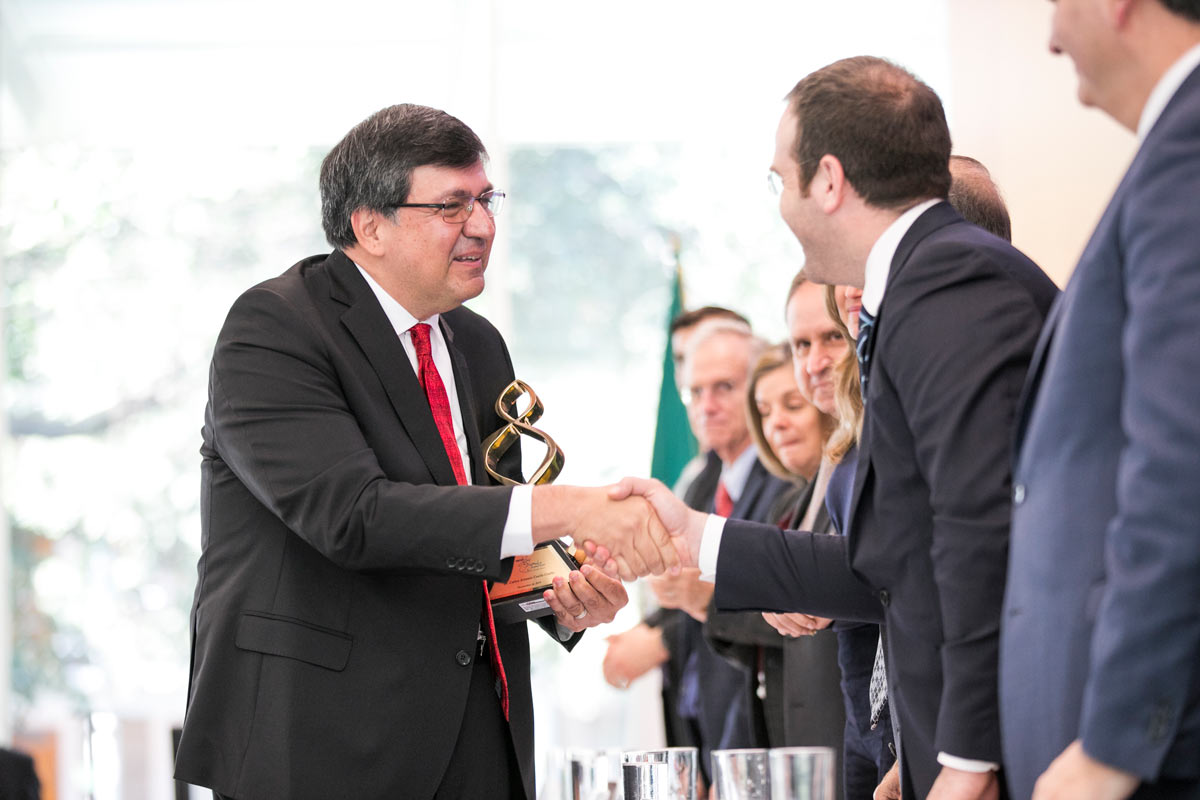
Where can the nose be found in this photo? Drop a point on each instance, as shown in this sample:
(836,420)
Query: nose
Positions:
(480,224)
(818,359)
(774,423)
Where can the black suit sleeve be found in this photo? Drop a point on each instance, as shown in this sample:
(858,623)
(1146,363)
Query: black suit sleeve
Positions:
(762,568)
(280,418)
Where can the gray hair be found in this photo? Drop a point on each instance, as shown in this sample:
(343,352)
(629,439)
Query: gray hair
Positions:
(719,326)
(372,166)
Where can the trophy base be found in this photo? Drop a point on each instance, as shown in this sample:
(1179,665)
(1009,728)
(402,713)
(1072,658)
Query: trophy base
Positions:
(520,598)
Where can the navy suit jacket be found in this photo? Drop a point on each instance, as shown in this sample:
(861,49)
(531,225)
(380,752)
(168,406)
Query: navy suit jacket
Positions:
(927,543)
(1101,633)
(339,589)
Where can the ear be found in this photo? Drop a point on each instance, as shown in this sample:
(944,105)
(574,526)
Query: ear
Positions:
(368,228)
(1118,12)
(829,184)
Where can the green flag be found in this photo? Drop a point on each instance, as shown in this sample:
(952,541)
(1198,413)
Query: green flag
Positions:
(674,444)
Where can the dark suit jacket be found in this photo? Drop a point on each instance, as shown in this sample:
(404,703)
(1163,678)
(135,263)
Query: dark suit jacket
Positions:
(18,780)
(1101,638)
(338,599)
(929,529)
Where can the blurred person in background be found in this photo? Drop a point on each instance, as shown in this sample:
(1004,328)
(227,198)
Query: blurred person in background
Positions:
(826,363)
(794,688)
(633,653)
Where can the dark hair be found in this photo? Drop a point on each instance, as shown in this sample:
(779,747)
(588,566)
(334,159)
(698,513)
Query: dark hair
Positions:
(697,315)
(976,196)
(885,126)
(372,166)
(1189,9)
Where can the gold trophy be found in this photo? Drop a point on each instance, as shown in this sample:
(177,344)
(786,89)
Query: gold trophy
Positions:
(521,597)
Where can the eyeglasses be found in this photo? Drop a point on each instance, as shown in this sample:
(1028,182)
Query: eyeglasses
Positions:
(775,182)
(458,210)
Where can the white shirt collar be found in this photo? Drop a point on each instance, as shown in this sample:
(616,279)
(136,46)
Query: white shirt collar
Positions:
(735,475)
(1165,89)
(397,314)
(879,260)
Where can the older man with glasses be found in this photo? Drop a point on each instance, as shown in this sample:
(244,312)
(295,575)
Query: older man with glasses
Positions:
(343,642)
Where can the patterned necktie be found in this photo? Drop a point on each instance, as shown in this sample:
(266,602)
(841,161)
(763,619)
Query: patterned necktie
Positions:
(722,503)
(439,404)
(862,347)
(878,691)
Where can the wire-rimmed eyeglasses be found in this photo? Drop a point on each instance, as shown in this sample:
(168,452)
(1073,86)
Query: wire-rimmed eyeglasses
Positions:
(458,209)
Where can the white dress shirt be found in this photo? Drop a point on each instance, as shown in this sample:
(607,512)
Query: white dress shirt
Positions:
(517,539)
(1165,89)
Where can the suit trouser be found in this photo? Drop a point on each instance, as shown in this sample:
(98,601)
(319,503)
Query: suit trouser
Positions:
(483,764)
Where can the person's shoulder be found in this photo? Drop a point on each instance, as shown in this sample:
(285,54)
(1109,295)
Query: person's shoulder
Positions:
(295,281)
(963,253)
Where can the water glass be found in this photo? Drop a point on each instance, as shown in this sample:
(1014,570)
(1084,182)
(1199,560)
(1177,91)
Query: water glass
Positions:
(590,775)
(666,774)
(802,773)
(740,775)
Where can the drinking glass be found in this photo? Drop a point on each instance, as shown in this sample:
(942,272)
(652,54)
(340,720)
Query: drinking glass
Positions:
(740,775)
(666,774)
(801,773)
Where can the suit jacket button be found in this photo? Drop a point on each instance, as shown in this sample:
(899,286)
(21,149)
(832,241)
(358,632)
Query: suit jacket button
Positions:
(462,657)
(884,597)
(1018,494)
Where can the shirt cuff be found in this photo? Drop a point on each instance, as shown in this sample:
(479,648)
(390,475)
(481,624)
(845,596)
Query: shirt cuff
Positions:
(710,547)
(966,764)
(518,528)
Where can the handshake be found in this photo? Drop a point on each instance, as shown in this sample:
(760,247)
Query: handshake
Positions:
(634,528)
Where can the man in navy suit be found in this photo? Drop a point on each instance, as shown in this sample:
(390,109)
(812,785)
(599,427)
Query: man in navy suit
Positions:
(950,317)
(1100,639)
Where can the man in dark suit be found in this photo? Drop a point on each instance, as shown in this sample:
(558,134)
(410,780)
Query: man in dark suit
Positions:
(949,321)
(343,645)
(1100,640)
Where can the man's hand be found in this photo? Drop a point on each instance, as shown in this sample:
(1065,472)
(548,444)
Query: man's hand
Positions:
(796,624)
(627,527)
(957,784)
(587,598)
(685,591)
(1075,774)
(632,654)
(889,787)
(679,521)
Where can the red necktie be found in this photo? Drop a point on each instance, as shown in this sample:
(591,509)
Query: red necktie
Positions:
(722,503)
(439,404)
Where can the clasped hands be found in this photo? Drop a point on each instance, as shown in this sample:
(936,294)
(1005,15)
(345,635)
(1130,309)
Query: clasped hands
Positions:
(634,528)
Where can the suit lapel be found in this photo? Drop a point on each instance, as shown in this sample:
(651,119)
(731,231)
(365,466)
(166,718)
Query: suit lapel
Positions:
(1033,378)
(934,218)
(750,492)
(366,322)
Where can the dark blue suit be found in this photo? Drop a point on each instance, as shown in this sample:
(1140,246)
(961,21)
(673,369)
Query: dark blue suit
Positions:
(928,532)
(1101,631)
